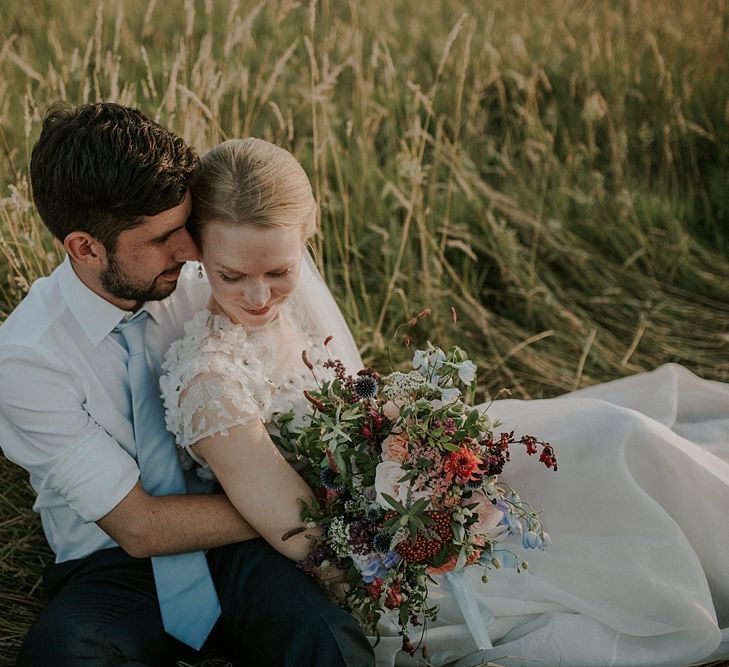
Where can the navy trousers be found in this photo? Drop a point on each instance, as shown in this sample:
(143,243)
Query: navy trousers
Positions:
(103,612)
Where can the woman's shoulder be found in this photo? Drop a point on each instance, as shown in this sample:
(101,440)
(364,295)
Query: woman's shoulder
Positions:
(212,346)
(205,334)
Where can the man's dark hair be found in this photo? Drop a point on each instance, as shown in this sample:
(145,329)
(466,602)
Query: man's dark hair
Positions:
(100,167)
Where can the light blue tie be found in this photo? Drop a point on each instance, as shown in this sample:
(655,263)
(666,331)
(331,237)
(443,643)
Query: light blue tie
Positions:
(187,598)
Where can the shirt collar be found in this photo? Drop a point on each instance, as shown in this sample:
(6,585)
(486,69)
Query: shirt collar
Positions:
(96,316)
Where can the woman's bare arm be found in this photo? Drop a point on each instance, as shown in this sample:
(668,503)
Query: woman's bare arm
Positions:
(261,484)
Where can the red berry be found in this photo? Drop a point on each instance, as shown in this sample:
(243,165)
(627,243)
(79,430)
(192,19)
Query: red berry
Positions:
(426,547)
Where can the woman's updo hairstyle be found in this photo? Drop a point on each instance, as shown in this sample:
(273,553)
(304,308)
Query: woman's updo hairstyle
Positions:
(251,182)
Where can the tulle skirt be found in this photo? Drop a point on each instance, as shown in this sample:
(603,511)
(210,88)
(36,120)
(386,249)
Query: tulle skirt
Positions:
(638,572)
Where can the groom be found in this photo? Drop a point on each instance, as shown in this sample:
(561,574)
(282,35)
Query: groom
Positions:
(148,569)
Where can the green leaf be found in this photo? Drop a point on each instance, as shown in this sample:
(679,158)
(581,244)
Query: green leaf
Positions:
(413,532)
(339,459)
(407,477)
(442,556)
(461,559)
(418,523)
(395,504)
(404,615)
(419,506)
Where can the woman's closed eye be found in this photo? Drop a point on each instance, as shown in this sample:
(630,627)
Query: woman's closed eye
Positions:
(235,278)
(229,279)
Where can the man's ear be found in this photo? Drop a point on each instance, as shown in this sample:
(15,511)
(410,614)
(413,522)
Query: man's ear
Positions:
(85,250)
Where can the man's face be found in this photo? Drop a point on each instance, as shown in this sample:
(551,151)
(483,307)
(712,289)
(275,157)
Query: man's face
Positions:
(148,258)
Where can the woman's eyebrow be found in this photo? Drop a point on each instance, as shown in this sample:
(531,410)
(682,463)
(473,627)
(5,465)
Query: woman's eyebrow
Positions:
(228,269)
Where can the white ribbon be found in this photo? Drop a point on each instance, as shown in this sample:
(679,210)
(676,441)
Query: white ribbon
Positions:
(477,616)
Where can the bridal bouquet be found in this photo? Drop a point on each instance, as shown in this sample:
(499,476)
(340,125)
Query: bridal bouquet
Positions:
(407,477)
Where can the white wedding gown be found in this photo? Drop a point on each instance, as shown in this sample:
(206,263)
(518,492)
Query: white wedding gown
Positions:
(638,572)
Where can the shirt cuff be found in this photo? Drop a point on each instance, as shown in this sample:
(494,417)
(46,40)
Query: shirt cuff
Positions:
(94,477)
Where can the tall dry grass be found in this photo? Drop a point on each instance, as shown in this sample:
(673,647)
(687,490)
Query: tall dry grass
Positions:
(556,170)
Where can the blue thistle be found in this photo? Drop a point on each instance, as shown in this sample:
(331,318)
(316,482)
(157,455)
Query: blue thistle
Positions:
(328,479)
(373,512)
(381,542)
(366,387)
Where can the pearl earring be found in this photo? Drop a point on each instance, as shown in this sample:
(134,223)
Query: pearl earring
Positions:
(199,271)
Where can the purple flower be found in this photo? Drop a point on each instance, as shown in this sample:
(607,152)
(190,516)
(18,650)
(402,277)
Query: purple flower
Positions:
(392,558)
(512,523)
(371,568)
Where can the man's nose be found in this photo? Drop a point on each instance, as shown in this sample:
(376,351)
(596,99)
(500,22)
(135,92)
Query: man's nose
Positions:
(185,249)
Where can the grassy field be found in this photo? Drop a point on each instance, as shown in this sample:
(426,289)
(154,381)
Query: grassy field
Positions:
(556,170)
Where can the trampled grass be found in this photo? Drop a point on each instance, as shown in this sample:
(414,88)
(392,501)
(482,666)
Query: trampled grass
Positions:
(557,170)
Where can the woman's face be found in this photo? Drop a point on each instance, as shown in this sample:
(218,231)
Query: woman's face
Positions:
(252,269)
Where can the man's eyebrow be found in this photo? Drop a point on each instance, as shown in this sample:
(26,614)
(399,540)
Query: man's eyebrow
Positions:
(167,234)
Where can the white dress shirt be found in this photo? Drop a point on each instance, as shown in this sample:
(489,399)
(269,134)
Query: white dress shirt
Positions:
(65,413)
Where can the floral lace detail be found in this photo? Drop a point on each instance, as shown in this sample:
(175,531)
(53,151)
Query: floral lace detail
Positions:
(219,376)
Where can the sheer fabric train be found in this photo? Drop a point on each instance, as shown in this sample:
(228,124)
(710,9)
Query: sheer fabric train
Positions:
(637,574)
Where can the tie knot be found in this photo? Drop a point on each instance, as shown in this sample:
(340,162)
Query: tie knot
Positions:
(133,333)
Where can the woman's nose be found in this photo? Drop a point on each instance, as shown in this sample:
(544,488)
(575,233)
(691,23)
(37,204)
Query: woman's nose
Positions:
(257,294)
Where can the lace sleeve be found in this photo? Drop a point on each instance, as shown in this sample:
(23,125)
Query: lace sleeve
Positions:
(211,384)
(210,404)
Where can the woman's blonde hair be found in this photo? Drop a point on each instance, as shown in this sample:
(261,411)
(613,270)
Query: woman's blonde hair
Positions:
(251,182)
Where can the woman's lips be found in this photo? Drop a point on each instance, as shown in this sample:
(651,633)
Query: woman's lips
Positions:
(257,311)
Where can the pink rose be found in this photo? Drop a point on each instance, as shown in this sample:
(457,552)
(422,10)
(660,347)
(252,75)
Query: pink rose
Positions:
(446,567)
(488,514)
(391,410)
(395,447)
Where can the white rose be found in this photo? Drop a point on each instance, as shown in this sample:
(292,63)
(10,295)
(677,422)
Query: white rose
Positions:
(386,481)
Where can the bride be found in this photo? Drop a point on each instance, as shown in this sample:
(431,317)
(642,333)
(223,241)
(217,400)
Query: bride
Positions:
(638,572)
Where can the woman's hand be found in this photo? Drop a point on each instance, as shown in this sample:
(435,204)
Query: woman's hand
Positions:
(330,575)
(333,581)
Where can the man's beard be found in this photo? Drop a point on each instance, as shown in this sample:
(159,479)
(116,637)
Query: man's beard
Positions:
(121,285)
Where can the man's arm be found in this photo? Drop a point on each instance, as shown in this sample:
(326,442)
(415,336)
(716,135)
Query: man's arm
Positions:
(46,428)
(145,525)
